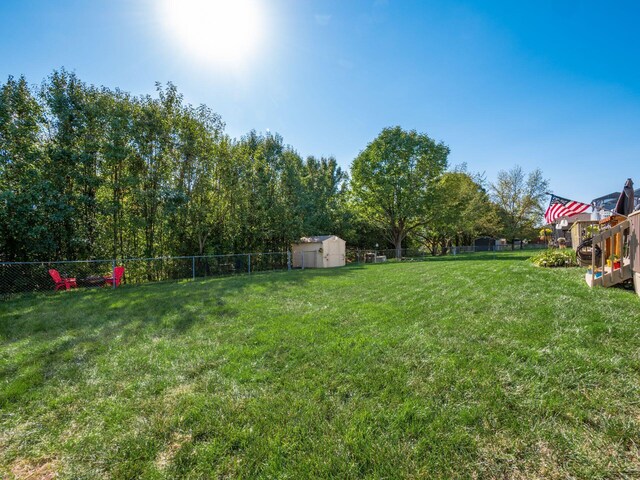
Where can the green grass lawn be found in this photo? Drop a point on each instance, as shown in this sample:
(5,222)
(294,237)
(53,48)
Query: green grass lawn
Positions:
(471,367)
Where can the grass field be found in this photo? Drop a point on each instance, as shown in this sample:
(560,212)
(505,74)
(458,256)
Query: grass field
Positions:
(468,368)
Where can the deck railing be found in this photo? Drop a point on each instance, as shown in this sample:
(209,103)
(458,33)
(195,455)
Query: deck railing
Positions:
(613,264)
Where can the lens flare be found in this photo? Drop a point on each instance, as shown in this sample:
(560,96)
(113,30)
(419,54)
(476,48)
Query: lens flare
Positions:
(227,33)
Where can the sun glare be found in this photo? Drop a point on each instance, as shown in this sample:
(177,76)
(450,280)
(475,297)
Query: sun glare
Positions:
(225,33)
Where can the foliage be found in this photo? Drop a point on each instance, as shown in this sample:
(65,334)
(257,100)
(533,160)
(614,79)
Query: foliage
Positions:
(22,164)
(545,233)
(462,212)
(393,181)
(519,198)
(591,230)
(556,257)
(89,172)
(324,374)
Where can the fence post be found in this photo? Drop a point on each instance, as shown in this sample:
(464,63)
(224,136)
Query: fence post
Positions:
(113,273)
(193,268)
(249,264)
(302,253)
(288,260)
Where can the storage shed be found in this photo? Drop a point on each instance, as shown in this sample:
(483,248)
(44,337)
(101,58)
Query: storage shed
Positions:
(579,231)
(484,244)
(323,251)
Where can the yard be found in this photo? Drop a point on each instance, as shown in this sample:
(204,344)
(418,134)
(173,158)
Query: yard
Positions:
(467,367)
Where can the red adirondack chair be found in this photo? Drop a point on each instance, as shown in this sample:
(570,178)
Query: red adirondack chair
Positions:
(61,282)
(118,273)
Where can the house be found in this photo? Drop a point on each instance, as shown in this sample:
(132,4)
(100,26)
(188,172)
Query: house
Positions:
(607,203)
(323,251)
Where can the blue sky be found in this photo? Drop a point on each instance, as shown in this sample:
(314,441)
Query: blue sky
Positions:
(546,84)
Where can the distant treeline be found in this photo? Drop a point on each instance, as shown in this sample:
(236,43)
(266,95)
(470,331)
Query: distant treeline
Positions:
(88,172)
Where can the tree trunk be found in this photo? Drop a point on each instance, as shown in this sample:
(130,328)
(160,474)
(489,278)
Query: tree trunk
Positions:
(397,237)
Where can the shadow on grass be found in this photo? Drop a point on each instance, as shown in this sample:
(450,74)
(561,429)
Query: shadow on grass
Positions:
(64,332)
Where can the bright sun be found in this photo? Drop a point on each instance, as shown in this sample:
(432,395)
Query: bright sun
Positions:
(225,33)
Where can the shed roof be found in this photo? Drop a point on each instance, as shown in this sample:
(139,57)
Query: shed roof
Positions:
(317,238)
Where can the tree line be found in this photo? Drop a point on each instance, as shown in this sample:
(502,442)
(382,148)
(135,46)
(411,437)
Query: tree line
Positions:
(92,172)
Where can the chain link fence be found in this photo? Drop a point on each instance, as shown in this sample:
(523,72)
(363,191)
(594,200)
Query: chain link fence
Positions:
(379,255)
(21,277)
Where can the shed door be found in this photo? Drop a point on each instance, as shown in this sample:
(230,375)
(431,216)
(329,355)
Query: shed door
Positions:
(310,258)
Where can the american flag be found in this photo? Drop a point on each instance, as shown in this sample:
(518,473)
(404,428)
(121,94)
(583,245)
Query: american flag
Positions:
(563,207)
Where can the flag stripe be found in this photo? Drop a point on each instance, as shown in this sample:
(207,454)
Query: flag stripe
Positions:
(563,207)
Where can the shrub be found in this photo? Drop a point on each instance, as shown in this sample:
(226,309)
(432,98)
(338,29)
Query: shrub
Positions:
(565,257)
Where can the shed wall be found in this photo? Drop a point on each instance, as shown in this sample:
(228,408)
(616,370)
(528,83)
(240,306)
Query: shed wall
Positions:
(310,252)
(577,231)
(334,253)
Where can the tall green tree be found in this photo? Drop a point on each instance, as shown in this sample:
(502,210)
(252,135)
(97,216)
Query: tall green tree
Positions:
(196,189)
(323,182)
(24,231)
(520,200)
(462,212)
(118,180)
(393,179)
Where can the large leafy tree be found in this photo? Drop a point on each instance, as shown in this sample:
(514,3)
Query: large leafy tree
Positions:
(323,182)
(462,212)
(114,196)
(393,179)
(196,189)
(520,201)
(72,137)
(23,220)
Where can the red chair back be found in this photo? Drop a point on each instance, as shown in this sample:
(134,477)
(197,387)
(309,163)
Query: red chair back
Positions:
(119,272)
(55,275)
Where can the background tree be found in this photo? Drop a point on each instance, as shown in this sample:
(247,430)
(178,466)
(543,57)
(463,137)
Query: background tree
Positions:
(462,211)
(195,185)
(24,228)
(392,181)
(520,199)
(323,183)
(88,172)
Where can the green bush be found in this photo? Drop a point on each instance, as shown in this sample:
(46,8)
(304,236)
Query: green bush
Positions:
(565,257)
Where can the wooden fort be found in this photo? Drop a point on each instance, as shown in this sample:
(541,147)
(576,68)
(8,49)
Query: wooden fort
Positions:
(615,251)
